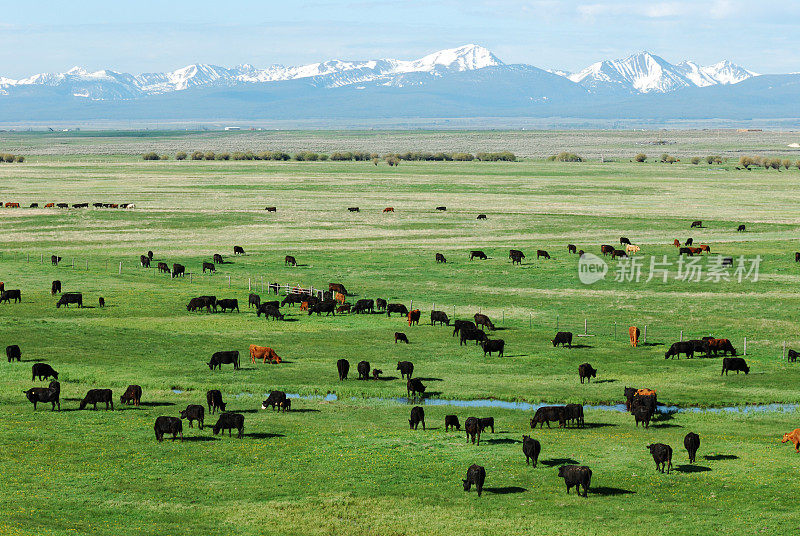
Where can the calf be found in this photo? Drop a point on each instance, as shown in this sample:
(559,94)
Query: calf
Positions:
(482,320)
(230,421)
(401,337)
(363,370)
(51,394)
(13,352)
(70,297)
(417,416)
(579,476)
(440,258)
(217,258)
(253,300)
(163,268)
(459,325)
(692,443)
(542,253)
(229,304)
(476,253)
(224,358)
(380,304)
(168,425)
(473,429)
(486,422)
(376,374)
(734,363)
(496,345)
(194,412)
(214,400)
(678,348)
(406,369)
(793,436)
(451,421)
(413,317)
(12,294)
(475,475)
(585,371)
(564,338)
(43,371)
(396,308)
(343,308)
(132,395)
(662,455)
(545,414)
(531,449)
(414,386)
(95,396)
(275,399)
(476,335)
(55,287)
(343,366)
(441,317)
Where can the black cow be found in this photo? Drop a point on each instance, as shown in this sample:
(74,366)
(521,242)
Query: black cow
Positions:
(545,414)
(144,260)
(441,317)
(579,476)
(542,253)
(95,396)
(662,455)
(275,399)
(678,348)
(564,338)
(101,302)
(194,412)
(150,254)
(254,300)
(271,209)
(238,250)
(178,270)
(441,208)
(573,413)
(326,306)
(43,371)
(214,400)
(199,303)
(365,305)
(343,366)
(224,358)
(476,253)
(168,425)
(13,352)
(477,335)
(642,414)
(54,260)
(689,241)
(727,261)
(217,258)
(734,363)
(459,325)
(696,223)
(571,248)
(493,345)
(585,371)
(486,422)
(741,227)
(34,205)
(531,449)
(685,251)
(473,429)
(451,421)
(700,346)
(51,394)
(791,356)
(483,320)
(293,298)
(400,337)
(55,287)
(380,304)
(70,297)
(516,256)
(406,369)
(396,308)
(475,475)
(209,266)
(481,216)
(417,416)
(363,370)
(228,304)
(353,209)
(270,311)
(230,421)
(440,258)
(623,241)
(414,386)
(289,260)
(692,443)
(8,295)
(163,268)
(132,395)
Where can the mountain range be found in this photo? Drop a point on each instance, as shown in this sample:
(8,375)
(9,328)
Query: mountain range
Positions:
(468,81)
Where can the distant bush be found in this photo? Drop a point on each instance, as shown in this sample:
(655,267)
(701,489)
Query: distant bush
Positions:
(180,156)
(565,157)
(197,155)
(150,156)
(463,157)
(392,160)
(695,160)
(164,157)
(503,156)
(224,156)
(20,158)
(641,157)
(358,156)
(746,162)
(713,159)
(10,158)
(786,164)
(209,155)
(306,156)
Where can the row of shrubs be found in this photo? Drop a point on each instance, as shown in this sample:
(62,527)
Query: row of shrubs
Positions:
(767,163)
(347,156)
(669,159)
(10,158)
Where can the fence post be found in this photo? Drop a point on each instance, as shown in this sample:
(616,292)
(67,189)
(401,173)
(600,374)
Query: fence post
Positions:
(262,284)
(585,327)
(645,335)
(784,350)
(615,330)
(503,322)
(556,322)
(87,264)
(120,267)
(229,281)
(530,320)
(248,285)
(41,259)
(681,336)
(745,346)
(190,277)
(73,262)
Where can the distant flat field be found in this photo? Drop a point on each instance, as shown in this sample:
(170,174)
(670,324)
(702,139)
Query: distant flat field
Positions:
(352,466)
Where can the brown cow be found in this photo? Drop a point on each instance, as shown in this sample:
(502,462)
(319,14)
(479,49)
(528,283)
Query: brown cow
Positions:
(706,248)
(794,437)
(605,249)
(413,317)
(304,306)
(340,298)
(264,353)
(676,243)
(49,205)
(696,251)
(389,209)
(634,332)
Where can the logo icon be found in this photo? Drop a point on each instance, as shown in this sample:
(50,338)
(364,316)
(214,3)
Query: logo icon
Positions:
(591,269)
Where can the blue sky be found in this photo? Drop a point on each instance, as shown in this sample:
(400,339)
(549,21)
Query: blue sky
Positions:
(147,35)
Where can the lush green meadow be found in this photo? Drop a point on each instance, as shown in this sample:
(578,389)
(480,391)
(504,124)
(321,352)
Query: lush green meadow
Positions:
(352,466)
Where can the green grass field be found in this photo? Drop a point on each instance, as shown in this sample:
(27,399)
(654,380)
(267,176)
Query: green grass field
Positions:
(352,466)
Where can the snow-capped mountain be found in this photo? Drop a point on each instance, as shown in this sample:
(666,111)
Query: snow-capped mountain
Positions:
(647,73)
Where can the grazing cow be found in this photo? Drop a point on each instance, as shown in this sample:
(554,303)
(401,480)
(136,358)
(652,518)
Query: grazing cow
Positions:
(62,205)
(209,266)
(95,396)
(793,436)
(199,303)
(686,251)
(564,338)
(451,421)
(606,249)
(51,393)
(270,311)
(700,346)
(401,337)
(343,366)
(217,258)
(132,395)
(459,325)
(571,248)
(376,374)
(43,371)
(353,209)
(417,416)
(477,335)
(413,317)
(168,425)
(688,242)
(633,333)
(214,401)
(326,306)
(481,216)
(70,297)
(194,412)
(516,256)
(441,317)
(493,345)
(642,414)
(224,358)
(230,421)
(676,243)
(337,287)
(150,254)
(364,305)
(791,356)
(34,205)
(696,251)
(178,270)
(727,261)
(542,253)
(586,371)
(623,241)
(163,268)
(144,260)
(55,287)
(531,449)
(486,422)
(632,249)
(475,475)
(406,369)
(579,476)
(396,308)
(473,429)
(441,208)
(13,352)
(662,455)
(238,250)
(343,308)
(705,247)
(678,348)
(265,353)
(388,209)
(696,223)
(55,259)
(49,205)
(721,345)
(11,294)
(618,253)
(546,414)
(734,363)
(380,304)
(228,304)
(290,261)
(363,370)
(293,298)
(414,386)
(275,399)
(271,209)
(440,258)
(253,300)
(573,413)
(476,253)
(740,228)
(692,443)
(482,320)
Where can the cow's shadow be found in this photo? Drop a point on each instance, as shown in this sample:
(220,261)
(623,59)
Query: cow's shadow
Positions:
(303,410)
(665,425)
(263,435)
(515,355)
(430,379)
(606,491)
(718,457)
(604,381)
(505,490)
(582,346)
(197,438)
(502,441)
(152,404)
(598,424)
(692,468)
(558,461)
(651,344)
(386,378)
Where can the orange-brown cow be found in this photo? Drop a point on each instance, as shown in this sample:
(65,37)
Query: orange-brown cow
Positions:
(633,332)
(340,298)
(413,317)
(676,243)
(304,306)
(389,209)
(696,251)
(794,437)
(264,353)
(49,205)
(645,392)
(706,248)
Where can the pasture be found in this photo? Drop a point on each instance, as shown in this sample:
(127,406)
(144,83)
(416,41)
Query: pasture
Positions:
(352,466)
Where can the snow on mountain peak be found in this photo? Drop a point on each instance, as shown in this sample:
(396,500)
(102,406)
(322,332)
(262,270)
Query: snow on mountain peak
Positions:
(463,58)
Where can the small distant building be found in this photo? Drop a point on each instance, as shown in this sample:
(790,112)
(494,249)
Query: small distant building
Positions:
(233,128)
(740,130)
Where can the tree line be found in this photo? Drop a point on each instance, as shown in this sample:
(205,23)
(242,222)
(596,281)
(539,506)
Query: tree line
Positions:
(7,158)
(340,156)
